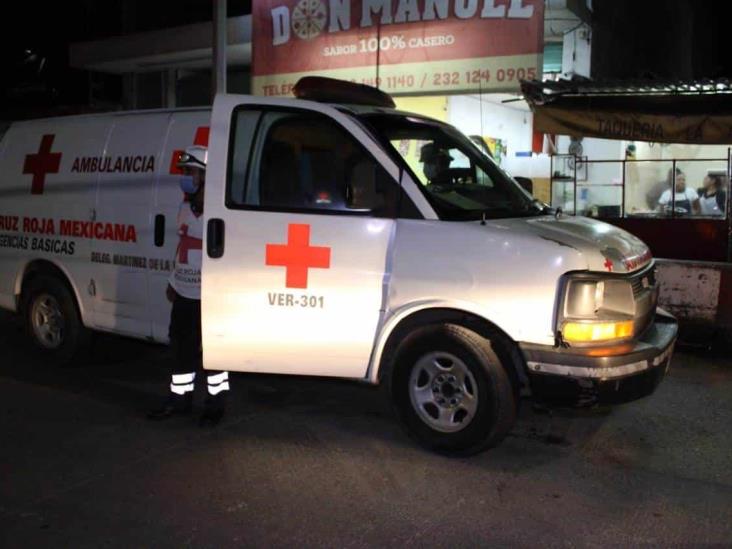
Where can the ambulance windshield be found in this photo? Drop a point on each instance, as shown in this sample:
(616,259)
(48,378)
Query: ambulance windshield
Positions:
(461,182)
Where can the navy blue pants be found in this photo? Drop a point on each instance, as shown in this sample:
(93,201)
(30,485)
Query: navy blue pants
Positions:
(185,341)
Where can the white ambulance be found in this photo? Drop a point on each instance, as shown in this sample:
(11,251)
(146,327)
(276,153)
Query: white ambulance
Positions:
(343,238)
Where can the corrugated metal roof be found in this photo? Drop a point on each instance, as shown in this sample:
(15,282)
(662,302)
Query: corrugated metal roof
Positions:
(539,92)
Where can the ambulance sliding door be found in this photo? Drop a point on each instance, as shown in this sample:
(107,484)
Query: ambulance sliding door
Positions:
(184,129)
(297,240)
(132,156)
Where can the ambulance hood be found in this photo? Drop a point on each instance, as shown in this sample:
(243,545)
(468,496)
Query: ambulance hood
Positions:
(604,246)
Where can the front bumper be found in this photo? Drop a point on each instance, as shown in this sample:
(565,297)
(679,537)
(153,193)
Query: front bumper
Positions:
(579,377)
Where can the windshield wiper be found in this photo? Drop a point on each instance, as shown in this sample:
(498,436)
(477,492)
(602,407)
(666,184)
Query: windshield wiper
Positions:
(489,212)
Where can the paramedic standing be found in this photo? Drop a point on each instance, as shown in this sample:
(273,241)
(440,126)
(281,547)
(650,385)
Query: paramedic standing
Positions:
(184,291)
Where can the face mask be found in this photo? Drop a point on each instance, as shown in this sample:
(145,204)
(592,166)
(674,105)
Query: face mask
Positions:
(430,171)
(188,185)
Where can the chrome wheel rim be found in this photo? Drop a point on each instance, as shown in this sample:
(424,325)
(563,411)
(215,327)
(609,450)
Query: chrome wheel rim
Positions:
(47,321)
(443,391)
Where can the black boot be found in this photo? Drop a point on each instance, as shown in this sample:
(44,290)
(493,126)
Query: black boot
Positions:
(174,405)
(213,410)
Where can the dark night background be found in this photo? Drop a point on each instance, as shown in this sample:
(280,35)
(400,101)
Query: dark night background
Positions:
(37,80)
(664,39)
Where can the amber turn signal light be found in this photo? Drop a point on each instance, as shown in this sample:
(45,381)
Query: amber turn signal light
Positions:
(589,332)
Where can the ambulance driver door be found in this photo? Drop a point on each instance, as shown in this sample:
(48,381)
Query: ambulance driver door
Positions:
(301,213)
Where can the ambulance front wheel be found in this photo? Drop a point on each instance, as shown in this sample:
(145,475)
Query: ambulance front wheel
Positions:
(52,320)
(450,390)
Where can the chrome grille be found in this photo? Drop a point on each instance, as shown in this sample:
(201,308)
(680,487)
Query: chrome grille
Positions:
(645,295)
(637,286)
(644,280)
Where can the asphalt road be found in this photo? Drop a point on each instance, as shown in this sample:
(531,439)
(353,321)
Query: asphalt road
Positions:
(303,462)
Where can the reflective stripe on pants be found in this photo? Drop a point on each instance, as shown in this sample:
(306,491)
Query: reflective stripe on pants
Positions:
(182,383)
(217,383)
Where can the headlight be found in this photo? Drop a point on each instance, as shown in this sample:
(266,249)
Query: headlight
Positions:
(596,309)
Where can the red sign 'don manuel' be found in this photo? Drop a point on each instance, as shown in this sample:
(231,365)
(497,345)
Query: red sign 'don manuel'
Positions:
(404,46)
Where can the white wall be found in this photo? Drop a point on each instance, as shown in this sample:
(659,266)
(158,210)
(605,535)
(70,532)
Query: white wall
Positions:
(695,171)
(602,185)
(576,52)
(514,125)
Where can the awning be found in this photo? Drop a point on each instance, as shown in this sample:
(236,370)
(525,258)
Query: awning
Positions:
(681,112)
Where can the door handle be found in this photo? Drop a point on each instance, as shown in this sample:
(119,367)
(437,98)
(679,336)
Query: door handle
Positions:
(215,238)
(159,230)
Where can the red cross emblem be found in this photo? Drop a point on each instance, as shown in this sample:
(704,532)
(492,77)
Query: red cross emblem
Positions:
(201,138)
(298,256)
(608,264)
(41,163)
(186,244)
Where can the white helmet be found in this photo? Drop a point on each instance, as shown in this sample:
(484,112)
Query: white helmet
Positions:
(195,156)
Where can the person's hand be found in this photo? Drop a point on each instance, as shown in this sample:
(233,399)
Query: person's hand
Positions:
(170,293)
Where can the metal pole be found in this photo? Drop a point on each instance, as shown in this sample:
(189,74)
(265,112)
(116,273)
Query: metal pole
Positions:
(673,189)
(728,208)
(218,62)
(622,196)
(171,78)
(575,185)
(551,176)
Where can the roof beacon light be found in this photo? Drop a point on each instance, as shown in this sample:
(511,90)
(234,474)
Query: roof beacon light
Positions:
(331,90)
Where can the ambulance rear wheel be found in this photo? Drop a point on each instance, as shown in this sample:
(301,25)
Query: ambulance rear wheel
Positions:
(450,390)
(52,321)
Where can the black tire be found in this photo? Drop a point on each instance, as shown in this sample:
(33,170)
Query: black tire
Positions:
(74,338)
(495,411)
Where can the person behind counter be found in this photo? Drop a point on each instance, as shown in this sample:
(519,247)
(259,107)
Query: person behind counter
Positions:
(712,197)
(685,200)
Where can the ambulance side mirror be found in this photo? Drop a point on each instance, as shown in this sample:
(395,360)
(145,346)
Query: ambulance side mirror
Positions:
(526,183)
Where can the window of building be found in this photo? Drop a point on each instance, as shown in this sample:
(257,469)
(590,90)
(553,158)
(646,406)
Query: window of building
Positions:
(553,57)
